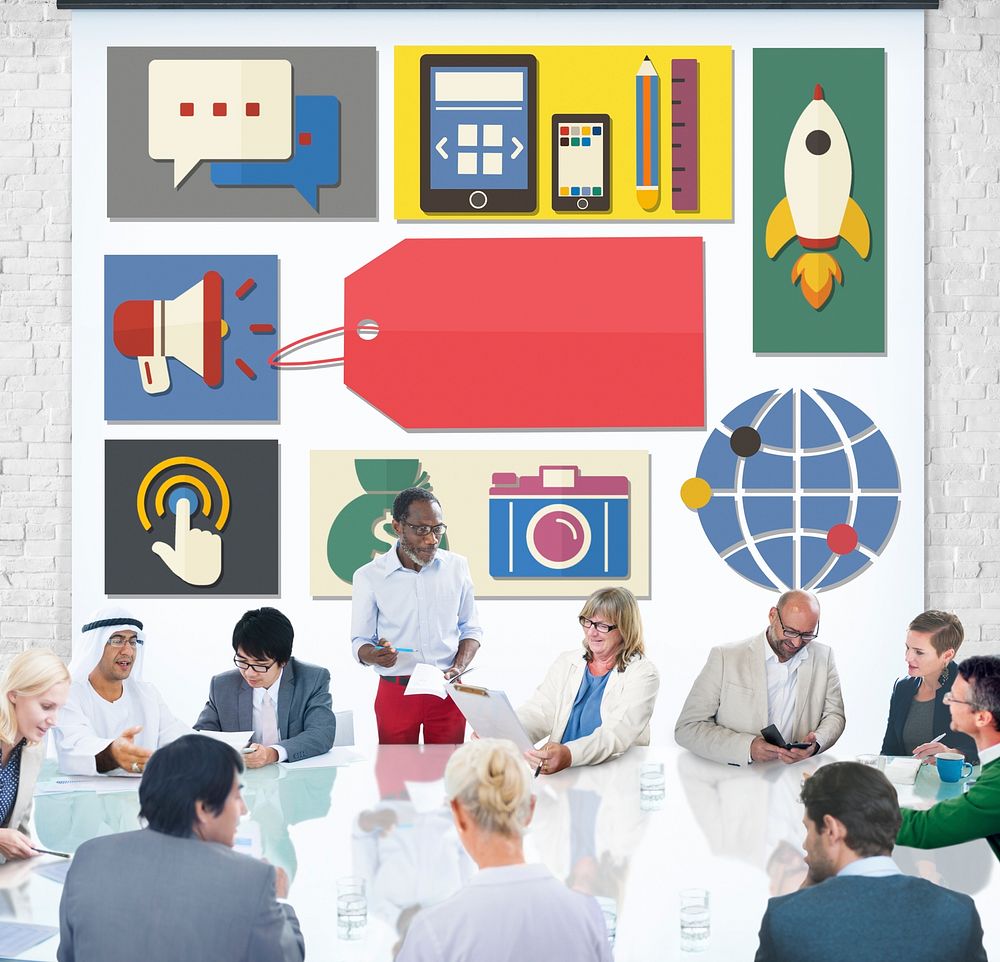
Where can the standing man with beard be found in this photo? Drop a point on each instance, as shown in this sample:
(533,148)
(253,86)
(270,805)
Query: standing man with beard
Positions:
(113,719)
(415,604)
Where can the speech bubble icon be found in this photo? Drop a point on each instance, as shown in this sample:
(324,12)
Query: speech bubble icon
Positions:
(315,162)
(219,110)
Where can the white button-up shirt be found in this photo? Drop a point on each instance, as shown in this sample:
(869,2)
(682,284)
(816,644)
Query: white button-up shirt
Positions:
(430,610)
(875,866)
(782,685)
(259,694)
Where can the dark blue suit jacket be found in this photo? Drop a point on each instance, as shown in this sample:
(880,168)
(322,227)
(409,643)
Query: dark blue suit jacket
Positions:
(899,707)
(893,919)
(305,717)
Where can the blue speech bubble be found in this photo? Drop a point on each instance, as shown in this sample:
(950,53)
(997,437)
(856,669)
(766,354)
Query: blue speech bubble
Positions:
(315,161)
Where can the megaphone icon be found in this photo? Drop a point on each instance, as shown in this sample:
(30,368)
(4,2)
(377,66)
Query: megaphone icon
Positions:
(189,328)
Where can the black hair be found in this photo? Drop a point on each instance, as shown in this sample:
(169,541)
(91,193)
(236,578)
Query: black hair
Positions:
(406,497)
(861,798)
(264,634)
(191,769)
(982,672)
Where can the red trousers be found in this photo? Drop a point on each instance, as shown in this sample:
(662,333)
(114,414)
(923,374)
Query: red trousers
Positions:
(399,717)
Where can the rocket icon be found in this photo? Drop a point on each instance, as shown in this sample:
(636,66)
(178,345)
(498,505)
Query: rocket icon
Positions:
(817,208)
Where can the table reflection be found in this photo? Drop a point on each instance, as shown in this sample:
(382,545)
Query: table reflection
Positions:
(405,844)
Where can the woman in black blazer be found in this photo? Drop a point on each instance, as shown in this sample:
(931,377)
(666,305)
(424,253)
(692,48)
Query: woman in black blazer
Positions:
(932,640)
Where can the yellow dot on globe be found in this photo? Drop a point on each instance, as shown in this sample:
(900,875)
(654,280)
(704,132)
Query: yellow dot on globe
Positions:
(696,493)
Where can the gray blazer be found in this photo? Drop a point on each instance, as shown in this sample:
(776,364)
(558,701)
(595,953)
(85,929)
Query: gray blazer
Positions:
(727,705)
(872,920)
(305,719)
(187,899)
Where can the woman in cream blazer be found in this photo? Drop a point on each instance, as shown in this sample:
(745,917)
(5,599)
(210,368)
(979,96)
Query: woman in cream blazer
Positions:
(32,690)
(595,703)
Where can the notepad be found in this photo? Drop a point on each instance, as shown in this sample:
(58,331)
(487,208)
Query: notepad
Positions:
(237,740)
(490,714)
(903,771)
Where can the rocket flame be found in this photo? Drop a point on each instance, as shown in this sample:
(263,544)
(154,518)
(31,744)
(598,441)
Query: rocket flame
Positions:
(817,272)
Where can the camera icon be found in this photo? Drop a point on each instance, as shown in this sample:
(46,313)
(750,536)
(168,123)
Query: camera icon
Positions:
(559,524)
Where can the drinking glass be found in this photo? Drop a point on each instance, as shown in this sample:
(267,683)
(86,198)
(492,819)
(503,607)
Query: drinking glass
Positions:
(352,908)
(695,919)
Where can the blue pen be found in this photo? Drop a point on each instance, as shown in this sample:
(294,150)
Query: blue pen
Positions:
(407,650)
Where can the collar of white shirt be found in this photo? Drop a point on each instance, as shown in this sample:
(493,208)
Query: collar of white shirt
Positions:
(793,663)
(502,874)
(259,693)
(875,866)
(989,754)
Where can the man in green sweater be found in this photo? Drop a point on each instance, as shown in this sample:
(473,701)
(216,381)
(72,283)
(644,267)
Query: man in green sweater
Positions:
(975,709)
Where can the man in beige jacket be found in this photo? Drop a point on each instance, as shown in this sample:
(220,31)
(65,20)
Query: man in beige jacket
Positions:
(780,677)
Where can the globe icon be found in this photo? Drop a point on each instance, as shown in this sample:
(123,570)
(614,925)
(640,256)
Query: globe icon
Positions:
(796,489)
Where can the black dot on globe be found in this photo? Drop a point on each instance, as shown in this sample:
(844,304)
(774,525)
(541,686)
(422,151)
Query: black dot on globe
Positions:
(745,442)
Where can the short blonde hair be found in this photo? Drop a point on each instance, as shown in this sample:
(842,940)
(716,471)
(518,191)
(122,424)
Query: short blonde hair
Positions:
(492,782)
(30,673)
(620,605)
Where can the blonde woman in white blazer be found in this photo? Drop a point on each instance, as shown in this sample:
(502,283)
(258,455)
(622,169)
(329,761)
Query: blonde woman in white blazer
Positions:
(32,690)
(595,703)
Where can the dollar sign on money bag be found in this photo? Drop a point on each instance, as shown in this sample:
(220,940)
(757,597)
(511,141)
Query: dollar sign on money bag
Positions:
(363,528)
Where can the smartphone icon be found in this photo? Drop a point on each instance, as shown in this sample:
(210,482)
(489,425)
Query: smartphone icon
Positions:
(581,162)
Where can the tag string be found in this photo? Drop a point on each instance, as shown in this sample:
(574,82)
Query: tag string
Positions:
(275,359)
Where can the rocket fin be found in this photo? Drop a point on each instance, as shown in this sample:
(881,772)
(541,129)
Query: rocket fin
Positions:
(855,230)
(780,228)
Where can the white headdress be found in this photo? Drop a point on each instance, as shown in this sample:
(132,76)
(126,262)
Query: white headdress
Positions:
(97,629)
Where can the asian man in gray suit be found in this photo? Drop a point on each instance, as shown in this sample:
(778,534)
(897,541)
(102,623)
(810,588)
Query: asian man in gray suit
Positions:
(188,894)
(855,902)
(285,702)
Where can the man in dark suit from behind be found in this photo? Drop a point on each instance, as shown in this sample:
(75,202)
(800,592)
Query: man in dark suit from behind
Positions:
(285,702)
(190,896)
(855,902)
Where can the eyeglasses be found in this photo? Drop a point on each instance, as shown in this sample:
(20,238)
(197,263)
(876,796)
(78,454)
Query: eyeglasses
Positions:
(599,625)
(422,530)
(950,699)
(119,641)
(246,666)
(806,636)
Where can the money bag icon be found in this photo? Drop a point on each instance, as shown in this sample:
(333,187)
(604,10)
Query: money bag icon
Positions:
(363,528)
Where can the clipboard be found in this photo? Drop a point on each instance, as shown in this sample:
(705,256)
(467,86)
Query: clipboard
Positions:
(490,714)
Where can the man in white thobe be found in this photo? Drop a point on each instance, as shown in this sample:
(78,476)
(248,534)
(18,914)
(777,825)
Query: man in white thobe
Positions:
(113,720)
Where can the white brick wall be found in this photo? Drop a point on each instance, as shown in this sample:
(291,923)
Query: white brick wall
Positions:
(963,315)
(963,320)
(34,326)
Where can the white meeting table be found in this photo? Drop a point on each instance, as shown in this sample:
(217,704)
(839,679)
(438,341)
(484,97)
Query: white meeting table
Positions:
(735,832)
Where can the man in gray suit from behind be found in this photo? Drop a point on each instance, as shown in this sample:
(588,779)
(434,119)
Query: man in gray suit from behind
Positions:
(284,702)
(855,903)
(190,896)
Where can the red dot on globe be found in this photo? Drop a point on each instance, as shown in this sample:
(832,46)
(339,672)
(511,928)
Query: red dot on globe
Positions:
(842,539)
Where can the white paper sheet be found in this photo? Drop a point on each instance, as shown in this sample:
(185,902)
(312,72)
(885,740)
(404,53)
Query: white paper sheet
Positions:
(334,758)
(903,771)
(427,680)
(102,784)
(427,796)
(237,740)
(18,937)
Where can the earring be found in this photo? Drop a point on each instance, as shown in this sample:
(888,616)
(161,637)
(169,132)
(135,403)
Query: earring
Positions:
(943,677)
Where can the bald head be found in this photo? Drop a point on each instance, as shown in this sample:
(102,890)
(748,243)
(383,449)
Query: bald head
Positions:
(798,601)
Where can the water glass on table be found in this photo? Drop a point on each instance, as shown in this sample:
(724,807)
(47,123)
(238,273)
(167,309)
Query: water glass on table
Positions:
(695,920)
(652,786)
(872,761)
(352,908)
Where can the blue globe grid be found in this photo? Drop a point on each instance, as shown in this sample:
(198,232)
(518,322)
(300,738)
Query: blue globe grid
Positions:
(822,462)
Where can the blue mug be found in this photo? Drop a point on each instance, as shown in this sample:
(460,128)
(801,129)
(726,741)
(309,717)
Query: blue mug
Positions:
(952,767)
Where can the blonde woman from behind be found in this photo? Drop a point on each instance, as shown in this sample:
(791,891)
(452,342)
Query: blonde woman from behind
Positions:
(32,690)
(509,910)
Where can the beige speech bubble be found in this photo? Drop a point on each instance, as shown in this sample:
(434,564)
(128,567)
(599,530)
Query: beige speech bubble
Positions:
(219,110)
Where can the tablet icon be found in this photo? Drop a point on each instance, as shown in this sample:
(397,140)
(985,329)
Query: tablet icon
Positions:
(477,133)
